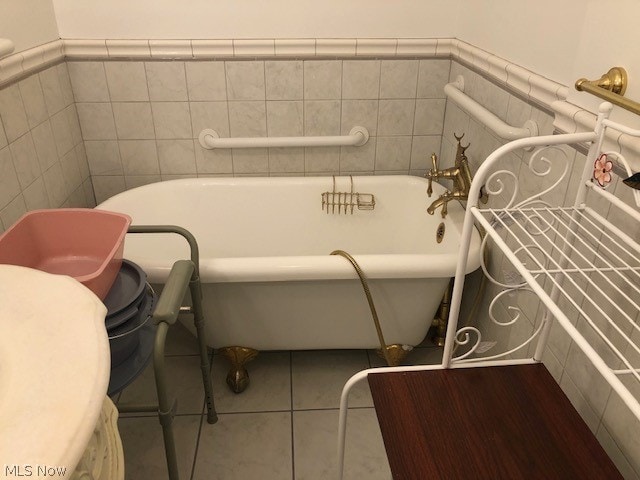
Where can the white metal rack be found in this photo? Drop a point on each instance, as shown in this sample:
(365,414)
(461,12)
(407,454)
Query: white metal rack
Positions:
(572,256)
(569,256)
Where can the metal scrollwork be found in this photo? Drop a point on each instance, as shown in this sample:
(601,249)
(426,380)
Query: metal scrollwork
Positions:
(530,216)
(529,248)
(463,337)
(466,338)
(541,166)
(495,186)
(510,309)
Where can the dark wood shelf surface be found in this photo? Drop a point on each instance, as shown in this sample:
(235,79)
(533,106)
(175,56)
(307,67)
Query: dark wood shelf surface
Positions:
(507,422)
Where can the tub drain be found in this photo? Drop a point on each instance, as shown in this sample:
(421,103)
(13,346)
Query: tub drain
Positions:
(440,233)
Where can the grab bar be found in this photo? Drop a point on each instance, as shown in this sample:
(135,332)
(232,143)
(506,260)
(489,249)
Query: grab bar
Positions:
(210,139)
(6,47)
(455,91)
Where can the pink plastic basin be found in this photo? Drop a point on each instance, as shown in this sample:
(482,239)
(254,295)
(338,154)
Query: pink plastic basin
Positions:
(83,243)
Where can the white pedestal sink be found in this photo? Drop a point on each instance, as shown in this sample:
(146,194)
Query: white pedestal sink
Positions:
(54,371)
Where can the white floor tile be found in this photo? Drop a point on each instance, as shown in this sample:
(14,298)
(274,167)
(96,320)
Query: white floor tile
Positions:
(315,446)
(184,381)
(318,378)
(143,446)
(269,388)
(246,446)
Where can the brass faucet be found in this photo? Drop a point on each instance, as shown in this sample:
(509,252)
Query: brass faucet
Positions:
(459,174)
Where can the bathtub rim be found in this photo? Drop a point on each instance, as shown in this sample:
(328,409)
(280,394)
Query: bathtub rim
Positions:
(310,267)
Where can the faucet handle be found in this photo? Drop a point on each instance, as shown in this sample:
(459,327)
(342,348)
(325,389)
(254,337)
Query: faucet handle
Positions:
(432,173)
(444,210)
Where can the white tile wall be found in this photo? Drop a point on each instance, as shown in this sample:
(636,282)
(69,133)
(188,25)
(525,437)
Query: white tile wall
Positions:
(166,81)
(208,115)
(171,119)
(206,81)
(127,81)
(33,98)
(398,78)
(283,80)
(139,157)
(176,157)
(133,120)
(103,157)
(396,117)
(322,117)
(41,165)
(245,80)
(14,116)
(322,79)
(89,82)
(361,79)
(144,117)
(284,118)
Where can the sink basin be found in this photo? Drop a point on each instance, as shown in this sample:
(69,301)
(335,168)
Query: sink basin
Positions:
(54,368)
(83,243)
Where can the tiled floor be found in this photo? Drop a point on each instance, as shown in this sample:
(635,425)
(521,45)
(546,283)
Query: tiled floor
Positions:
(284,426)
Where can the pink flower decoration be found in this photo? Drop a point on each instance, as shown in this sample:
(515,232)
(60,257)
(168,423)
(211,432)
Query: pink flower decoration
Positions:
(601,169)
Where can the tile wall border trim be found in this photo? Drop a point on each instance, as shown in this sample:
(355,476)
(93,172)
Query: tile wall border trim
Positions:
(501,71)
(19,65)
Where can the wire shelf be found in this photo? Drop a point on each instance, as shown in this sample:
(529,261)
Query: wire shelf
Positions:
(594,266)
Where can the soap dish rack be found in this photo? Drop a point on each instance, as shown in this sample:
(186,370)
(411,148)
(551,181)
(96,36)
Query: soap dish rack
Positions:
(346,201)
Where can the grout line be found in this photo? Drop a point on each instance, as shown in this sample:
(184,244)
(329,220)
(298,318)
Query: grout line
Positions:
(197,449)
(319,409)
(284,410)
(127,415)
(293,451)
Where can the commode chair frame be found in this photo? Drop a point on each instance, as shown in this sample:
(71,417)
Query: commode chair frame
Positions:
(185,274)
(549,247)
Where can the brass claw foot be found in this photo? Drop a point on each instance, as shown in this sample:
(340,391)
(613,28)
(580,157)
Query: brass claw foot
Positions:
(396,352)
(238,377)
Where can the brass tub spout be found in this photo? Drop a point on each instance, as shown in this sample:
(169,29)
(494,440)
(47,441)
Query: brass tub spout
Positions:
(443,200)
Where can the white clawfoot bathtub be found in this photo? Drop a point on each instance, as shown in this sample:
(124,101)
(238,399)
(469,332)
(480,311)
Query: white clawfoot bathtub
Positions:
(269,281)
